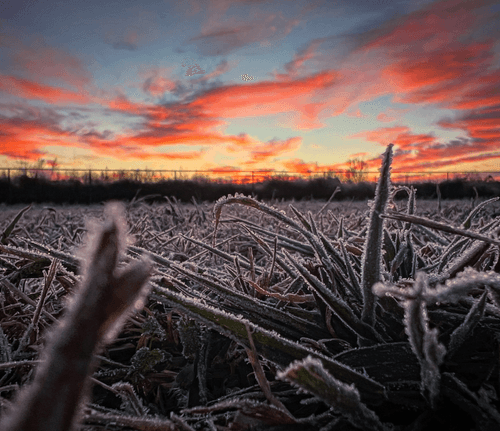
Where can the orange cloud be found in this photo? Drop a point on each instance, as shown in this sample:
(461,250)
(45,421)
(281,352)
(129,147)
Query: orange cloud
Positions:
(266,151)
(23,138)
(34,91)
(41,61)
(440,55)
(391,115)
(421,152)
(484,125)
(158,85)
(436,55)
(186,155)
(301,167)
(267,98)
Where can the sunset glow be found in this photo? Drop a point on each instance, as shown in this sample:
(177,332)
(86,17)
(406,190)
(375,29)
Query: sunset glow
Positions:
(294,86)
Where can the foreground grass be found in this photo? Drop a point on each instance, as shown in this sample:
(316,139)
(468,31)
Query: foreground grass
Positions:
(385,316)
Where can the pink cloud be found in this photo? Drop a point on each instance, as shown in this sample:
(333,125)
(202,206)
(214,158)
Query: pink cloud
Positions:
(34,91)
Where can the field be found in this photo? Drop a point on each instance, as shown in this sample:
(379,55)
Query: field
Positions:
(270,316)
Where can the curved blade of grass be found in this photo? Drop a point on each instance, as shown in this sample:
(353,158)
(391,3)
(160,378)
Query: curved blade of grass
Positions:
(460,334)
(440,226)
(300,217)
(280,215)
(310,375)
(468,221)
(8,230)
(337,190)
(283,241)
(66,258)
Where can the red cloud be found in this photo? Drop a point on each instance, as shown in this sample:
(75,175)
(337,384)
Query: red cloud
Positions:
(41,61)
(482,124)
(121,103)
(299,166)
(441,55)
(267,98)
(186,155)
(266,151)
(391,115)
(158,85)
(437,55)
(442,76)
(421,152)
(35,91)
(22,138)
(434,26)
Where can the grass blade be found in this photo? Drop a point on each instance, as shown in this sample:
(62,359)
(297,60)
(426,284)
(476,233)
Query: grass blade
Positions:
(269,344)
(372,255)
(310,375)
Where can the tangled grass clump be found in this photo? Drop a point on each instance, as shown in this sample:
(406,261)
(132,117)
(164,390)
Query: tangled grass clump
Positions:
(384,318)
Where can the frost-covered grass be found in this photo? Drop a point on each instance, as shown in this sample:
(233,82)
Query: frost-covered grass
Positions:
(385,315)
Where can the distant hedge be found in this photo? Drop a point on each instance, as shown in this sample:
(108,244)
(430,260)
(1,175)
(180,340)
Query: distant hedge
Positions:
(24,189)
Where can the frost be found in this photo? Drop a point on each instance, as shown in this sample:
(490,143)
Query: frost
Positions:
(131,403)
(461,285)
(269,343)
(473,317)
(468,221)
(371,261)
(145,359)
(336,303)
(310,375)
(423,340)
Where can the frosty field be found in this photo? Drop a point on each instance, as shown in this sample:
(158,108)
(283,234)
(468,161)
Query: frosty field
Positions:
(251,301)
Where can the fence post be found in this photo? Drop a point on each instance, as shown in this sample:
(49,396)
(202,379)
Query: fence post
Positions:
(9,198)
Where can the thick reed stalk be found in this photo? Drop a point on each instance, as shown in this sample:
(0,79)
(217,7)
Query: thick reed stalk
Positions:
(54,398)
(372,255)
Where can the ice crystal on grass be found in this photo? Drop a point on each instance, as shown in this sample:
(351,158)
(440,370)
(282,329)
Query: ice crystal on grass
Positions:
(307,301)
(268,343)
(310,375)
(461,285)
(131,403)
(423,340)
(441,226)
(468,221)
(336,303)
(461,333)
(146,359)
(372,254)
(105,296)
(5,234)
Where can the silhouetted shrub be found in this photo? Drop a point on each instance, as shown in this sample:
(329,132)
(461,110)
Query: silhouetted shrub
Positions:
(25,189)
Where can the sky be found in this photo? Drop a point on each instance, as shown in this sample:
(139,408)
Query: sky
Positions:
(286,85)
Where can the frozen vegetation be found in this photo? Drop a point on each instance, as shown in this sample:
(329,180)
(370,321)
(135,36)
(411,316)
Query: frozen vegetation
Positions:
(260,315)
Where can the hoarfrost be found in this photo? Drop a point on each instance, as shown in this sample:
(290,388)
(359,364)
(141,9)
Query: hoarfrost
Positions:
(310,375)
